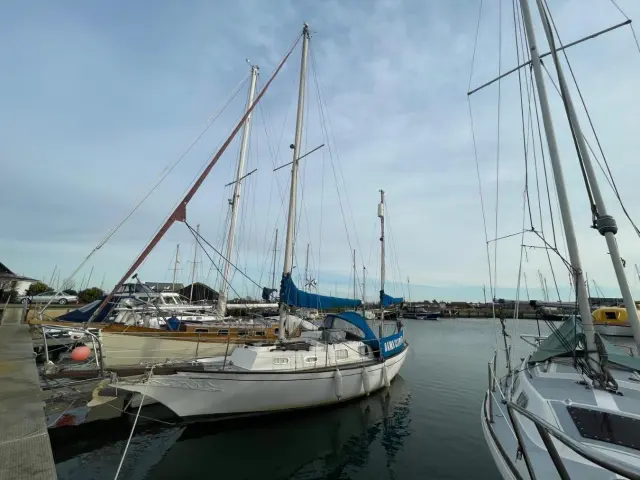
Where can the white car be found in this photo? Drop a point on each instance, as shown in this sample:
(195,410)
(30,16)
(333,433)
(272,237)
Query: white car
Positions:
(53,297)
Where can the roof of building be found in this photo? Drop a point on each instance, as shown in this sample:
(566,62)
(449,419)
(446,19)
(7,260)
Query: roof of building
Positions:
(6,274)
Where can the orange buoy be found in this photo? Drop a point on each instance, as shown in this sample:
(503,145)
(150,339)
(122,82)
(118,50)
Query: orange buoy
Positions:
(81,353)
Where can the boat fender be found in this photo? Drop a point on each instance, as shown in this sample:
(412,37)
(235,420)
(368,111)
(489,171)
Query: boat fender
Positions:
(365,381)
(337,377)
(385,375)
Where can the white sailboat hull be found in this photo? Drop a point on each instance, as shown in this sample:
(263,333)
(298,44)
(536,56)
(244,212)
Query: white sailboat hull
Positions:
(229,393)
(128,349)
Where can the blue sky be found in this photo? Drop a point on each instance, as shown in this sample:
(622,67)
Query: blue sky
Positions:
(99,98)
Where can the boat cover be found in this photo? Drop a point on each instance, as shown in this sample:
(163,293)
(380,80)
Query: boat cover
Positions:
(290,295)
(388,300)
(83,314)
(564,340)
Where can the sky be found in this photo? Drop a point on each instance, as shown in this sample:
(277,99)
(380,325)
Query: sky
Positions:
(100,98)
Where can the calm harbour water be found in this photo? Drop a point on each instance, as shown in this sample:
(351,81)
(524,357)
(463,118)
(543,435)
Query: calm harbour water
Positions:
(426,426)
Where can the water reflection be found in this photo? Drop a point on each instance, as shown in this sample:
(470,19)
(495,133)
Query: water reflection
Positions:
(332,442)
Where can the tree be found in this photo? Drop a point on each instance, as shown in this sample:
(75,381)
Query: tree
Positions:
(89,295)
(9,295)
(37,288)
(70,291)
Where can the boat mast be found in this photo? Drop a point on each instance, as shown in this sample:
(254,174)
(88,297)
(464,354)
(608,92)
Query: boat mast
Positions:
(364,289)
(558,176)
(195,260)
(288,251)
(175,268)
(306,268)
(235,200)
(273,272)
(355,288)
(604,222)
(382,267)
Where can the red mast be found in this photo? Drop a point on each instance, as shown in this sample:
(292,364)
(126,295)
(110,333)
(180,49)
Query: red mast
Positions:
(180,212)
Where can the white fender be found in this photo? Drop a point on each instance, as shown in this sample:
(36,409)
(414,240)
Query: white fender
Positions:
(385,375)
(366,385)
(337,377)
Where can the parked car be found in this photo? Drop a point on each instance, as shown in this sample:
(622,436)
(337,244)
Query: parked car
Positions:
(55,297)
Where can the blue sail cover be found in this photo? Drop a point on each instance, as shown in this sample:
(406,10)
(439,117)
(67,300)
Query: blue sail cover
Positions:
(388,300)
(290,295)
(83,314)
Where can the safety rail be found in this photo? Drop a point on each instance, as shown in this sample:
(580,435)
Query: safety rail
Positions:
(546,431)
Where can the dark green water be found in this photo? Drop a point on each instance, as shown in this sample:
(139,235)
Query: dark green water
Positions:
(426,426)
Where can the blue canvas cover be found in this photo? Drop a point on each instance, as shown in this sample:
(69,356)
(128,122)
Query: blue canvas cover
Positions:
(388,346)
(388,300)
(83,314)
(290,295)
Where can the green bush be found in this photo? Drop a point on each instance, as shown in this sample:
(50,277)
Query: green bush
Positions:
(37,288)
(89,295)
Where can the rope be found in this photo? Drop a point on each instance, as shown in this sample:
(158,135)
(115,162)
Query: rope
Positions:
(135,422)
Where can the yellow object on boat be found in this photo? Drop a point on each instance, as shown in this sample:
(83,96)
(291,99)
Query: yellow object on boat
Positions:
(610,316)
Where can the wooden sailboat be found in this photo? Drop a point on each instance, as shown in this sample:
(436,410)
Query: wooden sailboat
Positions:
(344,360)
(571,408)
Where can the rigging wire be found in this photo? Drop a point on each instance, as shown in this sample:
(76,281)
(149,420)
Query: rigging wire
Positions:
(161,177)
(609,177)
(520,46)
(325,128)
(199,237)
(477,162)
(633,31)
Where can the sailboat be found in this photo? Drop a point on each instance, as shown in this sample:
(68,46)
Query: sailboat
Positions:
(343,360)
(571,408)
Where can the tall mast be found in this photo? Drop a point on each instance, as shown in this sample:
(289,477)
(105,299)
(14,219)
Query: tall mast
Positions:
(382,267)
(409,288)
(306,268)
(355,288)
(288,251)
(175,268)
(558,176)
(273,272)
(605,223)
(364,289)
(235,200)
(195,259)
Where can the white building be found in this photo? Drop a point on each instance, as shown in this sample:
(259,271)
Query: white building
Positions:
(10,280)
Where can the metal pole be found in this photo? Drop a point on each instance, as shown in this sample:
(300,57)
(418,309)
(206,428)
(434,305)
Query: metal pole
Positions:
(605,223)
(195,259)
(489,395)
(288,252)
(275,245)
(382,266)
(355,288)
(553,453)
(364,289)
(235,200)
(175,268)
(565,210)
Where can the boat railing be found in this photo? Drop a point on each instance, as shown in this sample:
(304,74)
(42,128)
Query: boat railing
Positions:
(87,332)
(546,431)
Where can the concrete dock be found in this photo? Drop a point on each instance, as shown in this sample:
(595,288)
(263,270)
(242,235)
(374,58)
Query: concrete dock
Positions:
(25,450)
